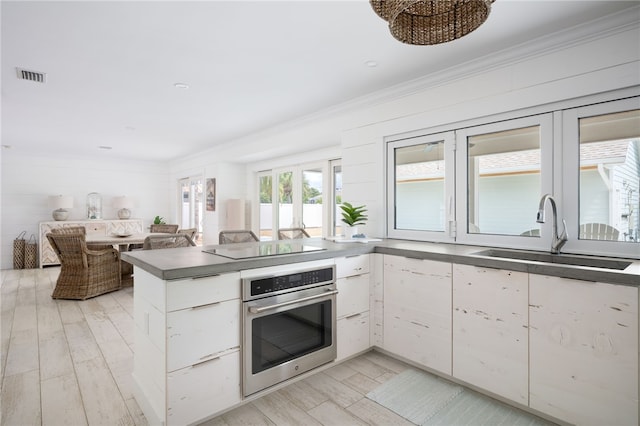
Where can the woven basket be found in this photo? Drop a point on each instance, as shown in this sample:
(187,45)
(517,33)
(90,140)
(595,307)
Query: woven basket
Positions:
(31,253)
(18,251)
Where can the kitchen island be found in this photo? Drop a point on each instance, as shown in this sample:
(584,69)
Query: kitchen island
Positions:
(581,321)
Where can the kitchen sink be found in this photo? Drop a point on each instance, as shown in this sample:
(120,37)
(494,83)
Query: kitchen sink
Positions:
(564,259)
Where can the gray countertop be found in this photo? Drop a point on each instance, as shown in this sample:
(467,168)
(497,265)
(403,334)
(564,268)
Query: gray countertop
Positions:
(181,263)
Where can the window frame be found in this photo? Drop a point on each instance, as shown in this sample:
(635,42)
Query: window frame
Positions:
(448,235)
(297,202)
(571,179)
(545,121)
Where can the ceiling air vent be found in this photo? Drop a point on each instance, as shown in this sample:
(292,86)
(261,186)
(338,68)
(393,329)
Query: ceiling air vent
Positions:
(38,77)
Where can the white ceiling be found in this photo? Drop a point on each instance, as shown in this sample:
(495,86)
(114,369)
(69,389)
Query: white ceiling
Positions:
(250,65)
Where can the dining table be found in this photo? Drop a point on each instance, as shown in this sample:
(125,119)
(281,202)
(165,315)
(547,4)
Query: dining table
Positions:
(124,243)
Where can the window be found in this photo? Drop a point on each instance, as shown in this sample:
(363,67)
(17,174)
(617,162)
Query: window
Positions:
(482,184)
(265,197)
(603,163)
(298,193)
(610,176)
(191,202)
(502,170)
(503,182)
(421,190)
(336,187)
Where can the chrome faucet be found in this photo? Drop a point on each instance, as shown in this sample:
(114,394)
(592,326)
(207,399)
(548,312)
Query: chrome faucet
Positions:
(557,241)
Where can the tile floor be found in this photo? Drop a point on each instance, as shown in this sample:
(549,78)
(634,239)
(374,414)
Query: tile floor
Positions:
(69,362)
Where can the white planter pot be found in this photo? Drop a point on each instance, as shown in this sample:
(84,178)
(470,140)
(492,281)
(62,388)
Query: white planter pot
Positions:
(349,231)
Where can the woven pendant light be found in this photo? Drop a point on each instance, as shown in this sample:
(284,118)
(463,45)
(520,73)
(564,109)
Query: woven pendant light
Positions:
(423,22)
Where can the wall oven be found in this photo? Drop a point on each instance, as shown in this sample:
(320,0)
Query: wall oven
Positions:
(289,325)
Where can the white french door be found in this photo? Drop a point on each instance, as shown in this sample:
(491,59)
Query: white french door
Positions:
(295,199)
(191,204)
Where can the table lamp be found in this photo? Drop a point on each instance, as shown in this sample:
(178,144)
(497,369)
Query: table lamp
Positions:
(124,204)
(60,203)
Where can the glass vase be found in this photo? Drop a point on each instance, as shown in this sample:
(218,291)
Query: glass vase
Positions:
(94,206)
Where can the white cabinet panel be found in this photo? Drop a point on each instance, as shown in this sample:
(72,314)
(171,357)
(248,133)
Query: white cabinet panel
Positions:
(197,334)
(194,393)
(353,295)
(584,350)
(353,335)
(490,337)
(352,265)
(417,311)
(192,292)
(353,284)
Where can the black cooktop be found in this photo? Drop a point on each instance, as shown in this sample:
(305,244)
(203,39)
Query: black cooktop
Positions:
(275,248)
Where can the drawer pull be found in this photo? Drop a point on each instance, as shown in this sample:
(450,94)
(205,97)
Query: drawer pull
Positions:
(205,305)
(197,364)
(352,316)
(200,277)
(352,256)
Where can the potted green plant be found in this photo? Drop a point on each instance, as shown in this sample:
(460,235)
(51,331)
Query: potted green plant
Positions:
(158,220)
(352,216)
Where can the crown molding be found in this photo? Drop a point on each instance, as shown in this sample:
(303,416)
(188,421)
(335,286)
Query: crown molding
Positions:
(580,34)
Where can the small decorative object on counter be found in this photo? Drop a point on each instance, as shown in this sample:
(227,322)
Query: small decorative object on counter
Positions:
(158,220)
(18,251)
(94,206)
(352,217)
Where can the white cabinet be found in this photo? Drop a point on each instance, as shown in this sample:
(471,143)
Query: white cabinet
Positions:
(198,391)
(195,335)
(187,357)
(490,330)
(352,312)
(417,311)
(584,350)
(48,257)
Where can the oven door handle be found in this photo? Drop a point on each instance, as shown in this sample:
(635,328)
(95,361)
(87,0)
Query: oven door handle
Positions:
(257,310)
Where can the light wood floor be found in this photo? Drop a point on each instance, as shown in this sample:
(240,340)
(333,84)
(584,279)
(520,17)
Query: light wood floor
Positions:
(69,363)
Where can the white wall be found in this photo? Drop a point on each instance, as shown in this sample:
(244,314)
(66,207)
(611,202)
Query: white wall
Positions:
(605,58)
(27,182)
(593,66)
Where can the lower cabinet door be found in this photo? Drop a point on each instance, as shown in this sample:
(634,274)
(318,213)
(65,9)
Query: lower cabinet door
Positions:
(584,350)
(199,391)
(490,330)
(353,335)
(417,311)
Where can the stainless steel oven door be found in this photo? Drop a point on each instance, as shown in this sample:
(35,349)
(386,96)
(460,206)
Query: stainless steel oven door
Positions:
(287,335)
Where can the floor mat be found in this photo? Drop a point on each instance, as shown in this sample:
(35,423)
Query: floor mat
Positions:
(415,395)
(427,400)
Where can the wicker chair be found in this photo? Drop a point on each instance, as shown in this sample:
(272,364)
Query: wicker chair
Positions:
(292,233)
(66,230)
(191,232)
(153,242)
(237,236)
(164,228)
(126,268)
(84,273)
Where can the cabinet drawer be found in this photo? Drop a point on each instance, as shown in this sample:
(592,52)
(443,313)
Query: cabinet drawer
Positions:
(192,292)
(353,335)
(197,334)
(352,265)
(199,391)
(353,295)
(96,228)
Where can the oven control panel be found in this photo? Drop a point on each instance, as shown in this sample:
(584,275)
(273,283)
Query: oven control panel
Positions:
(282,283)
